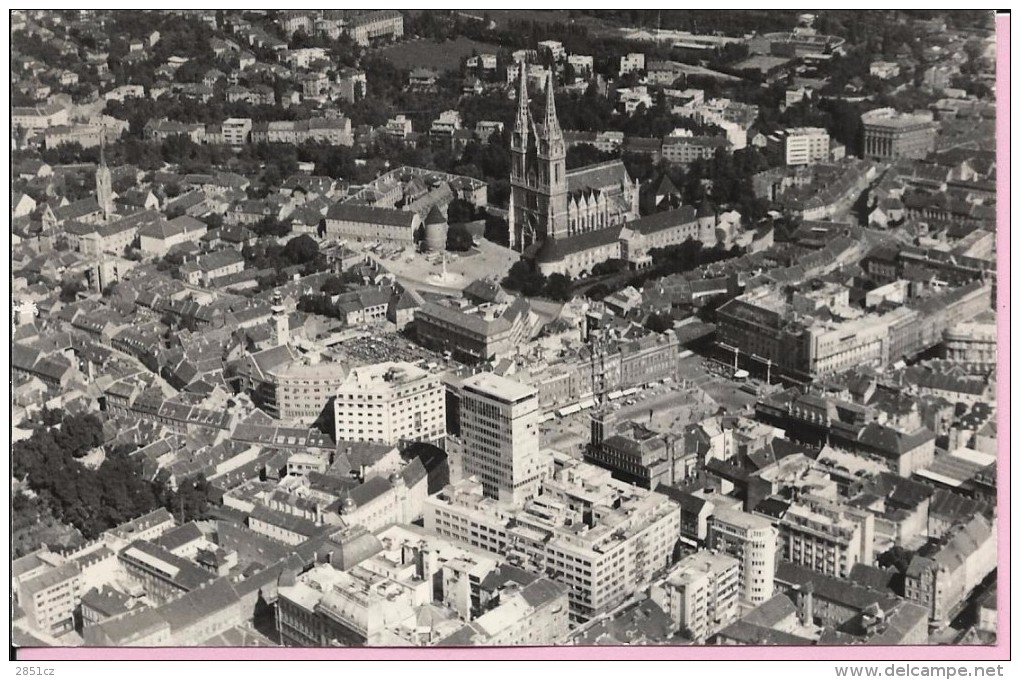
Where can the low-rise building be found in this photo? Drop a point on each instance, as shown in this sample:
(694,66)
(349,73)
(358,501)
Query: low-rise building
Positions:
(370,223)
(369,27)
(942,582)
(700,594)
(205,269)
(475,333)
(754,542)
(48,589)
(633,61)
(603,538)
(236,131)
(889,134)
(37,118)
(685,150)
(159,236)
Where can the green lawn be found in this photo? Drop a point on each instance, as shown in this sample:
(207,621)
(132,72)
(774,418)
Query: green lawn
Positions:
(446,56)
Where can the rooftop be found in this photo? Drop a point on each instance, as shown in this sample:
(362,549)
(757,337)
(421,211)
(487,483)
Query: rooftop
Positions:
(498,387)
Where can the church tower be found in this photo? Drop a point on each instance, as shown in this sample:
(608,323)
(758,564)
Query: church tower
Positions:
(104,180)
(281,323)
(538,172)
(521,219)
(552,169)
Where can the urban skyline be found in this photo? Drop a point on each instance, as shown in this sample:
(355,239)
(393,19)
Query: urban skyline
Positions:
(426,328)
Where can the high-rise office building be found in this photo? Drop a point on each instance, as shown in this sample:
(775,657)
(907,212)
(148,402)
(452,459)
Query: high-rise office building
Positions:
(499,435)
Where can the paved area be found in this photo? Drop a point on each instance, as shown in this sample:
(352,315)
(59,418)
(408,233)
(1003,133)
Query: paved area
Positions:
(668,407)
(380,346)
(425,270)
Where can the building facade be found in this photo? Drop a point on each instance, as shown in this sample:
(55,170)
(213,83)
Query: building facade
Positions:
(499,432)
(389,403)
(889,134)
(700,594)
(826,536)
(804,145)
(48,589)
(474,333)
(602,538)
(753,541)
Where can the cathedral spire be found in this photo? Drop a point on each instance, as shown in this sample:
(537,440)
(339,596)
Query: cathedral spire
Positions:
(522,100)
(550,122)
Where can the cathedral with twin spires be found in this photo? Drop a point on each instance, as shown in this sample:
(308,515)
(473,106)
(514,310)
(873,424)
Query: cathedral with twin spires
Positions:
(563,221)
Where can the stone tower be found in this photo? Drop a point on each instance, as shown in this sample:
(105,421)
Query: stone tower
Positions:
(281,322)
(435,230)
(104,180)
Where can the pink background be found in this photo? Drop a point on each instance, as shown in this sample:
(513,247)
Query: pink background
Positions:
(1000,651)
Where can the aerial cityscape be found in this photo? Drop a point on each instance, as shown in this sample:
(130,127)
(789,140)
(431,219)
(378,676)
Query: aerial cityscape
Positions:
(428,328)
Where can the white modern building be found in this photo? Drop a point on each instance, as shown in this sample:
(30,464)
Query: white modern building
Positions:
(499,434)
(389,403)
(753,541)
(803,145)
(700,594)
(603,538)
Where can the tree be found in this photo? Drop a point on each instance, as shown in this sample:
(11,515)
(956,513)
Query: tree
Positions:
(897,557)
(610,266)
(497,229)
(559,287)
(659,322)
(191,501)
(581,155)
(333,285)
(69,290)
(524,279)
(460,211)
(459,238)
(90,500)
(271,227)
(301,249)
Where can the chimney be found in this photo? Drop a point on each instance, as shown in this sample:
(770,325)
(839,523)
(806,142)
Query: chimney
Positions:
(806,604)
(419,563)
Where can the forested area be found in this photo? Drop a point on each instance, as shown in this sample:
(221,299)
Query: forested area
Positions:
(93,500)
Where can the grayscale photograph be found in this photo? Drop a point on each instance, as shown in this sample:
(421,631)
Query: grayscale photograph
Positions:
(503,328)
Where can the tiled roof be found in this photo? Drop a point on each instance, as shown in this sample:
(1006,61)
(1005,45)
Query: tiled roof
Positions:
(363,213)
(663,220)
(555,250)
(599,176)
